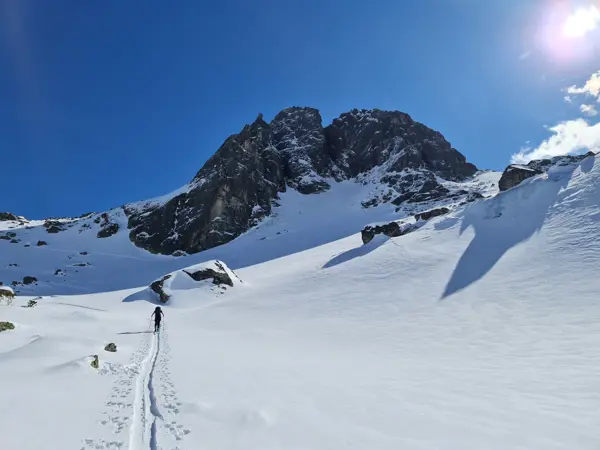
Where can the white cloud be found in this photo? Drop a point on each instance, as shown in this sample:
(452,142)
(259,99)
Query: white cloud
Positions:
(568,99)
(570,137)
(589,110)
(581,22)
(591,87)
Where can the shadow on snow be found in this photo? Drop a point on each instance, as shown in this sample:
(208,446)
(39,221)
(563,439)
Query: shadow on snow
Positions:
(501,223)
(357,252)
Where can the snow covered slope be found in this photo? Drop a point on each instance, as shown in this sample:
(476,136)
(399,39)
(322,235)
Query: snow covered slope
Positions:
(480,330)
(76,260)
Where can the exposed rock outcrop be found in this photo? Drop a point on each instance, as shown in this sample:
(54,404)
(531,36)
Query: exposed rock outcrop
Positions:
(240,183)
(516,174)
(207,278)
(218,276)
(6,326)
(29,280)
(54,226)
(245,174)
(392,229)
(107,228)
(6,291)
(6,216)
(157,287)
(431,213)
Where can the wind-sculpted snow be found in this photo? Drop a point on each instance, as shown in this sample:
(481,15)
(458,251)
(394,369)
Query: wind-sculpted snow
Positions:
(479,330)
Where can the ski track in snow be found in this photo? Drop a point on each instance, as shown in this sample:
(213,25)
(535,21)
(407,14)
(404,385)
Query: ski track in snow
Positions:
(148,428)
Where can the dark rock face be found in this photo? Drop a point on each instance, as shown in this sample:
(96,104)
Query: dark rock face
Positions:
(515,174)
(6,216)
(363,139)
(431,213)
(219,277)
(157,287)
(41,243)
(240,183)
(299,137)
(229,194)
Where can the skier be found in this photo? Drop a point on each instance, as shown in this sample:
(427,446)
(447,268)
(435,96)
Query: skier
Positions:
(157,317)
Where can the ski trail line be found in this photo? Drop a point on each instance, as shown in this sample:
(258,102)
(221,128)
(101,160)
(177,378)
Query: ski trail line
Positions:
(142,433)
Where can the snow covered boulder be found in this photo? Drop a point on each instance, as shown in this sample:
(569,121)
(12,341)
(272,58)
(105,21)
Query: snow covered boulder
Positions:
(212,276)
(6,292)
(515,174)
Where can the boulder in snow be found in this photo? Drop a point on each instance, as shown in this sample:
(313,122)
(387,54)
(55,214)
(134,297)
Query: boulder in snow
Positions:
(112,347)
(29,280)
(6,291)
(392,229)
(5,326)
(157,286)
(218,276)
(41,243)
(515,174)
(432,213)
(213,276)
(95,363)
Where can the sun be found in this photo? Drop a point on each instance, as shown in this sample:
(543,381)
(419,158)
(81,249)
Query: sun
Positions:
(581,22)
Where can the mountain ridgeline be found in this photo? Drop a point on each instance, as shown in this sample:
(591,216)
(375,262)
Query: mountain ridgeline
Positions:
(241,182)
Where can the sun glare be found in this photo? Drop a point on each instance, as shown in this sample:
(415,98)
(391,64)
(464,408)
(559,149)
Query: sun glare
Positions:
(567,35)
(581,22)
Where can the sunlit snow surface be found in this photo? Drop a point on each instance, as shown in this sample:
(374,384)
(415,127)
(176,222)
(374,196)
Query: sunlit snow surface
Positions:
(480,330)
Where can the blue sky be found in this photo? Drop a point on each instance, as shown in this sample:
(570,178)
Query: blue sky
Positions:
(109,102)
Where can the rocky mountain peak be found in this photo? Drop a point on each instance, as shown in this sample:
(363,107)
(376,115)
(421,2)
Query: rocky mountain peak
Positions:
(237,186)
